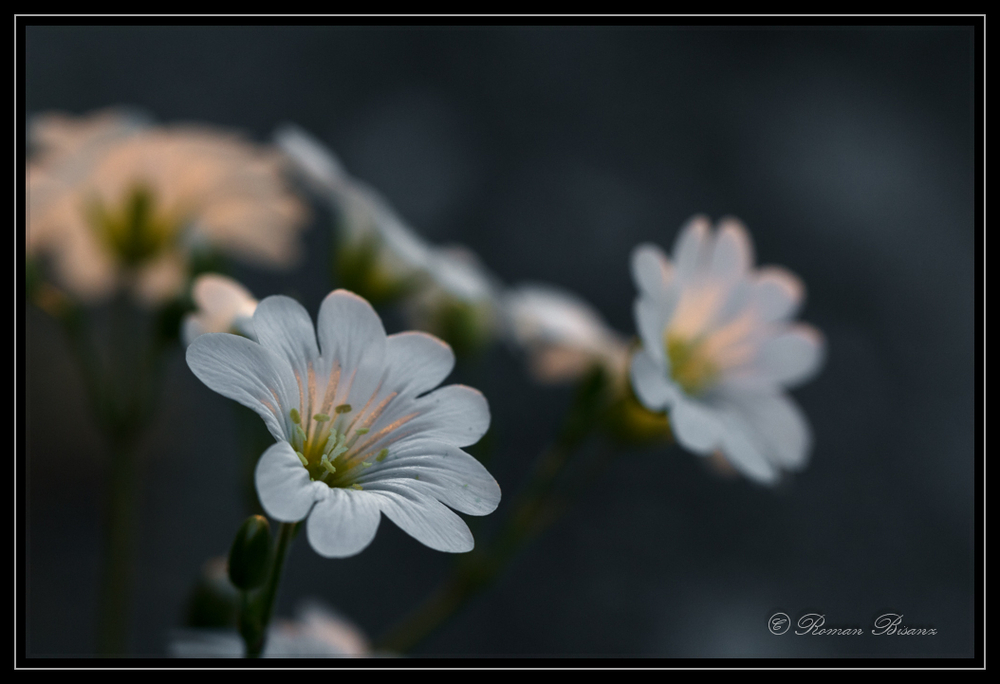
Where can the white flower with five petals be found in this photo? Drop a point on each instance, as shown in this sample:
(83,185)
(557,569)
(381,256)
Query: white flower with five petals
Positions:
(719,349)
(359,431)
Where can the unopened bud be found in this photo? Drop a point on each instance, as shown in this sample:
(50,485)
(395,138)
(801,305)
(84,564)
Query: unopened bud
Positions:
(249,553)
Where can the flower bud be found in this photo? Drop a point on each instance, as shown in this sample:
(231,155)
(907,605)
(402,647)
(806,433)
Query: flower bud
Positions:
(248,555)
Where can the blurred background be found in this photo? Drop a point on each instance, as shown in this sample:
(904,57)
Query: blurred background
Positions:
(552,152)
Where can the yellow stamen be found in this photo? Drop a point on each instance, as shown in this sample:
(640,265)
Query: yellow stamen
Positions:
(690,367)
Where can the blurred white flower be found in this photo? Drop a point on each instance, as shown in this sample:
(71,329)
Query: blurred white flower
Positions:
(378,254)
(116,202)
(317,632)
(719,349)
(562,334)
(446,290)
(359,430)
(458,301)
(223,306)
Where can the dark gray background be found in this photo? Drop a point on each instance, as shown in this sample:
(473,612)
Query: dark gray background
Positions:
(552,152)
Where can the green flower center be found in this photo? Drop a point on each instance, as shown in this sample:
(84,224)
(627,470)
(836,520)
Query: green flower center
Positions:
(134,231)
(329,449)
(690,366)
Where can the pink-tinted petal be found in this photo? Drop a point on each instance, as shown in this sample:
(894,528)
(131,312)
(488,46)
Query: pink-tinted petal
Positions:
(691,249)
(732,252)
(777,294)
(793,356)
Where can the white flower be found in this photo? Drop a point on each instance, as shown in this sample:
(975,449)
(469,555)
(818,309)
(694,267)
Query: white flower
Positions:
(223,306)
(447,290)
(459,300)
(563,335)
(719,349)
(317,632)
(114,201)
(359,430)
(369,226)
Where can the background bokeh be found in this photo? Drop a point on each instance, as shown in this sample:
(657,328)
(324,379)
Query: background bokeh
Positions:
(552,152)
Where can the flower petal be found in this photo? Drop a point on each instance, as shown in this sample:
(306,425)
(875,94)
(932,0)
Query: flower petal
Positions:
(651,270)
(222,295)
(223,305)
(283,326)
(651,318)
(160,280)
(781,428)
(777,294)
(205,643)
(192,327)
(352,340)
(343,523)
(283,485)
(649,381)
(317,163)
(422,517)
(743,451)
(440,470)
(732,251)
(245,372)
(454,414)
(417,362)
(792,356)
(691,248)
(697,426)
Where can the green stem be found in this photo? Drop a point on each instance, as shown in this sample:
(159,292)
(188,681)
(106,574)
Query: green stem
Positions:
(116,579)
(477,570)
(124,409)
(255,613)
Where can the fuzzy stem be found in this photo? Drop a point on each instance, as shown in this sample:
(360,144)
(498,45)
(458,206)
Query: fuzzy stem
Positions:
(255,614)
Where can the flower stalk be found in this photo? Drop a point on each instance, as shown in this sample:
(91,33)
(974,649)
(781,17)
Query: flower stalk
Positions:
(122,397)
(530,513)
(257,607)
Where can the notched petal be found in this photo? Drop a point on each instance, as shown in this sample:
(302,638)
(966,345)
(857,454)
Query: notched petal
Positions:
(417,362)
(422,517)
(245,372)
(652,271)
(283,485)
(283,326)
(343,523)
